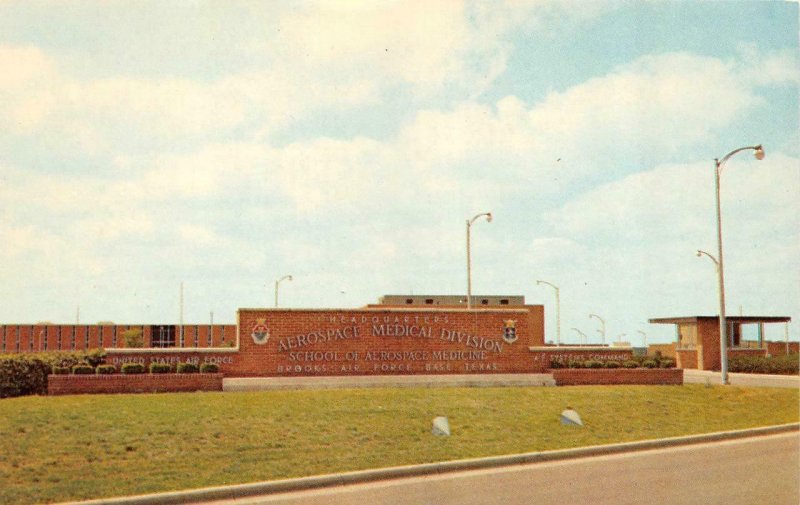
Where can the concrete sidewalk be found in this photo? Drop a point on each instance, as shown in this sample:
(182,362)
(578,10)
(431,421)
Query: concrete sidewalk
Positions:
(383,381)
(741,379)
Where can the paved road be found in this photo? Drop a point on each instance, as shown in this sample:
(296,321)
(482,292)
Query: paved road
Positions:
(757,471)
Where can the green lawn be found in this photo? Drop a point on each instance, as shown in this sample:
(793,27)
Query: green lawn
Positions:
(80,447)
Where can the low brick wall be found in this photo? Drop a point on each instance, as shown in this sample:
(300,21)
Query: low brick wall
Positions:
(134,383)
(544,355)
(588,376)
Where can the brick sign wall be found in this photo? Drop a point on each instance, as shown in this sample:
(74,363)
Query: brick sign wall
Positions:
(387,341)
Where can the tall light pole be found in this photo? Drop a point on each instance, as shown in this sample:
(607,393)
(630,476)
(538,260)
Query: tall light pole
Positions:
(469,260)
(558,310)
(644,337)
(180,331)
(723,333)
(277,283)
(579,332)
(602,329)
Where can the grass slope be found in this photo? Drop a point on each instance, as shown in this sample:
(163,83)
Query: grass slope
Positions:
(80,447)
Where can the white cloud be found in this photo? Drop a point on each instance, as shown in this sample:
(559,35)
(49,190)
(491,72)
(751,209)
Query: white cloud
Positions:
(663,102)
(636,238)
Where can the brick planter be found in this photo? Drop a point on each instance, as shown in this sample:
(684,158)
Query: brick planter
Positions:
(134,383)
(587,376)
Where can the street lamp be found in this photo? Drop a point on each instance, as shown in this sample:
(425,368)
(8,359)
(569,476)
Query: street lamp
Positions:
(558,310)
(469,265)
(758,151)
(277,283)
(579,332)
(602,329)
(644,337)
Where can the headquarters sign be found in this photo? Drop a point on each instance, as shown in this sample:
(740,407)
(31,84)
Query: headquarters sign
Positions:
(388,341)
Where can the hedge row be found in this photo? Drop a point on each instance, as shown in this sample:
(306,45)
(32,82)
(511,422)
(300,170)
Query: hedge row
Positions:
(782,365)
(137,368)
(26,374)
(635,362)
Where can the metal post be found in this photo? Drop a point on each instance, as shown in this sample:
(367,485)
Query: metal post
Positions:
(786,335)
(602,329)
(469,271)
(180,331)
(285,277)
(558,309)
(582,334)
(469,259)
(723,334)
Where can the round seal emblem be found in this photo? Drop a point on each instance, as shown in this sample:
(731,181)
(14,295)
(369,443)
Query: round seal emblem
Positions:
(260,332)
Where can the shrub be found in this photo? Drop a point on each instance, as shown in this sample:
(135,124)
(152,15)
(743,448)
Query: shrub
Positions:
(592,364)
(133,338)
(186,368)
(612,364)
(209,368)
(160,368)
(573,363)
(666,363)
(132,368)
(83,369)
(783,365)
(26,373)
(61,370)
(630,364)
(649,363)
(106,369)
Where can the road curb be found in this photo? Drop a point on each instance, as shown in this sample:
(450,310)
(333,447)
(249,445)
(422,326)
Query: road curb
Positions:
(304,483)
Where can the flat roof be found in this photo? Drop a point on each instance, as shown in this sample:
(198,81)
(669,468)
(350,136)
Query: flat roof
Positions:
(452,300)
(733,319)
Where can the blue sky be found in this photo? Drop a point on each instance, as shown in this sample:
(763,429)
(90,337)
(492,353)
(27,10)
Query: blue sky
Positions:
(226,144)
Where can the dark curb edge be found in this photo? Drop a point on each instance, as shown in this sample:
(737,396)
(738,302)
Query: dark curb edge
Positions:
(362,476)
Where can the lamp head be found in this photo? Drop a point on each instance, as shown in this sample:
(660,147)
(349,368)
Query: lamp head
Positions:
(698,254)
(759,154)
(489,214)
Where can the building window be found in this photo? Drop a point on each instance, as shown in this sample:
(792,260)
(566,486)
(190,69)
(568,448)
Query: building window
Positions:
(18,339)
(484,302)
(429,301)
(59,338)
(210,335)
(114,336)
(163,336)
(409,301)
(503,302)
(197,336)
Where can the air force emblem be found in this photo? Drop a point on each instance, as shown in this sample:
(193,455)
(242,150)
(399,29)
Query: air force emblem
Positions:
(260,332)
(510,331)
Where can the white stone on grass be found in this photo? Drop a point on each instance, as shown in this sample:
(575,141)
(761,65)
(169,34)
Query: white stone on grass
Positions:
(441,426)
(569,417)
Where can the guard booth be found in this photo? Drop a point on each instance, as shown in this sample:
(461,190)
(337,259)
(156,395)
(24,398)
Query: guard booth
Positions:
(697,338)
